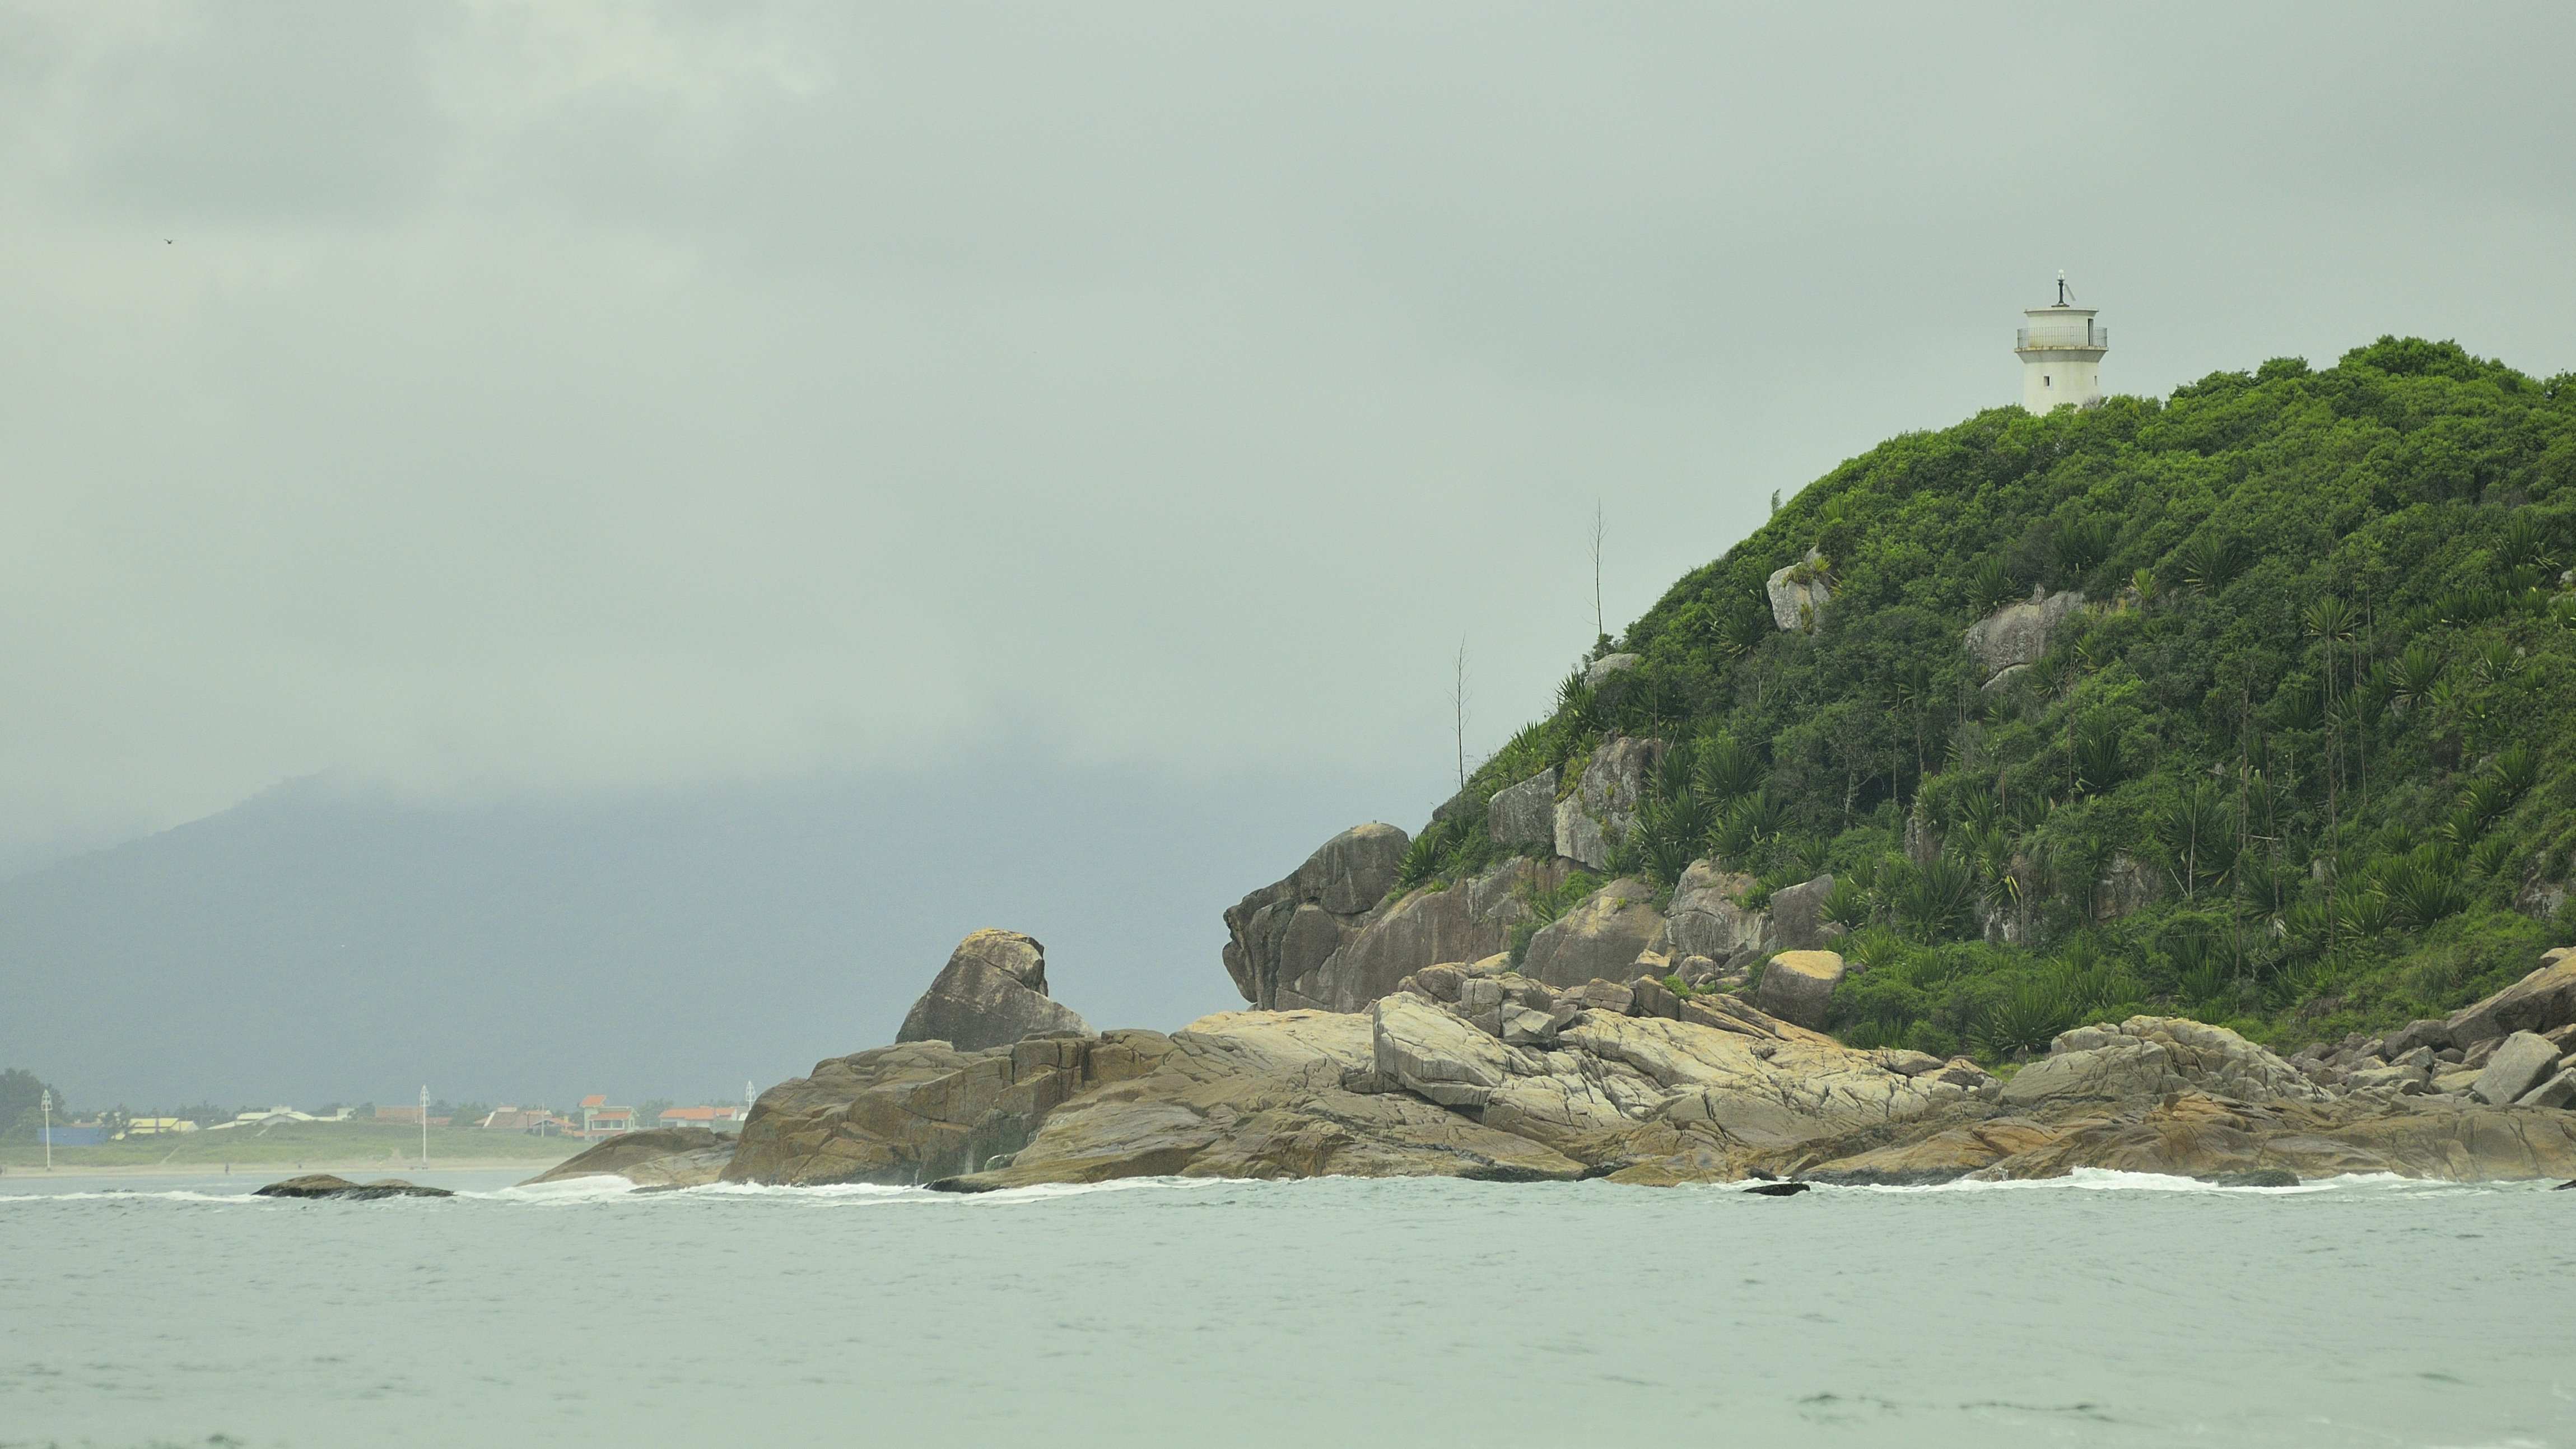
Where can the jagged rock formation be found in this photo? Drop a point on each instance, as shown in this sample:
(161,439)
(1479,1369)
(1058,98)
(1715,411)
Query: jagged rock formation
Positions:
(992,993)
(1291,949)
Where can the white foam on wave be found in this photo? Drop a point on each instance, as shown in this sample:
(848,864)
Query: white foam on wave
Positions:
(166,1195)
(2103,1179)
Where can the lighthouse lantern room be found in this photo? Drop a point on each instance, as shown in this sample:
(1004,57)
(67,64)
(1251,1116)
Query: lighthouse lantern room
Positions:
(2061,349)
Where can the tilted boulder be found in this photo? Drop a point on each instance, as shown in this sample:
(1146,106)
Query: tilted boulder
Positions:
(2539,1002)
(1601,935)
(992,993)
(2523,1062)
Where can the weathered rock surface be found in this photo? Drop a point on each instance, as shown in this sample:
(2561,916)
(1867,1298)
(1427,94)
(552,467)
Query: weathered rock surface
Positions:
(1797,916)
(1603,805)
(1704,920)
(630,1153)
(341,1189)
(1266,1094)
(2558,1091)
(1289,928)
(991,993)
(2018,634)
(1799,986)
(1601,935)
(1524,814)
(1465,922)
(917,1110)
(2151,1056)
(1287,949)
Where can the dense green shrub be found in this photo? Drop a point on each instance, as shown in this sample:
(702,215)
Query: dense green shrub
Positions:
(2321,699)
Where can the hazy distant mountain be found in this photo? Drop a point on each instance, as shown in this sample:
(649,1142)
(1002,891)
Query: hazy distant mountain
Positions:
(308,945)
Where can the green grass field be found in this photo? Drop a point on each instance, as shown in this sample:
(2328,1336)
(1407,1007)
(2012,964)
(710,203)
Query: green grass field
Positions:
(292,1142)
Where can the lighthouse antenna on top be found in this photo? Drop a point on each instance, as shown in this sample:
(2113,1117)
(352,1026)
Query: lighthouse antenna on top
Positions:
(2063,296)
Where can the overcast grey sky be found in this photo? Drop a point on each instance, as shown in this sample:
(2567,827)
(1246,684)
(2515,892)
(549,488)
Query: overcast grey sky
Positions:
(492,399)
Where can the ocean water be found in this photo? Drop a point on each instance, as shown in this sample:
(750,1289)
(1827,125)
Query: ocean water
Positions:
(2098,1310)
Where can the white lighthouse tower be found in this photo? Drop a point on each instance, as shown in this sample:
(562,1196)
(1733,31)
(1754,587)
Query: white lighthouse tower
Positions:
(2061,351)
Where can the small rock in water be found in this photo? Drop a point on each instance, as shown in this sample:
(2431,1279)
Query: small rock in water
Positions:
(2251,1177)
(2562,1187)
(325,1185)
(1777,1189)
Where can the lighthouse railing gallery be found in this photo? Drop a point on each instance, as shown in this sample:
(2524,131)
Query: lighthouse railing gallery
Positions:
(2026,339)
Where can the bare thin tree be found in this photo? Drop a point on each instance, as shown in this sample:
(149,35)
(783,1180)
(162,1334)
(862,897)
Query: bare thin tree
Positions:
(1458,712)
(1599,629)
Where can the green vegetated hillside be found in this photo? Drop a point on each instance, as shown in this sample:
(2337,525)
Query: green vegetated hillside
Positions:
(2304,763)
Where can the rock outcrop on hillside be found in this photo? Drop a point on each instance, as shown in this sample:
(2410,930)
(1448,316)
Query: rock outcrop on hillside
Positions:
(2017,635)
(1799,593)
(992,993)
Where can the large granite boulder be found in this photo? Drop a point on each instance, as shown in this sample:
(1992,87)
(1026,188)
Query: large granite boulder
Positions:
(1524,814)
(657,1157)
(2150,1056)
(2018,634)
(1704,920)
(2539,1002)
(2523,1062)
(1601,935)
(1349,962)
(992,993)
(1603,805)
(1798,916)
(1799,986)
(1289,928)
(918,1110)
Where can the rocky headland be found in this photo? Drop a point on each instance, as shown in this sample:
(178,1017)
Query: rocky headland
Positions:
(1481,1069)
